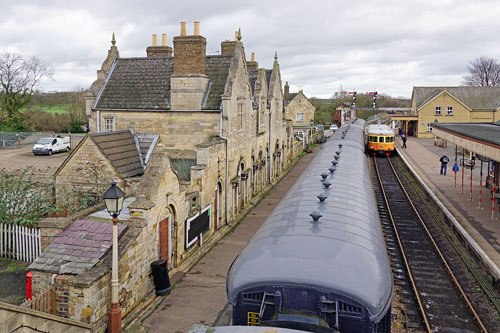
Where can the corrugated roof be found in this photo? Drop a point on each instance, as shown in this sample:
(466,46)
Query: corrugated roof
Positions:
(483,132)
(477,98)
(144,83)
(79,247)
(121,151)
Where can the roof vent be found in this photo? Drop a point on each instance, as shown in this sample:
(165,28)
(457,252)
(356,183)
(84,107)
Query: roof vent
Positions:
(334,162)
(337,152)
(327,183)
(340,145)
(332,169)
(315,216)
(322,197)
(324,175)
(336,157)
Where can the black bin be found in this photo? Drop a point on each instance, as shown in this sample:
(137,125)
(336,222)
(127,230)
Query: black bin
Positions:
(160,277)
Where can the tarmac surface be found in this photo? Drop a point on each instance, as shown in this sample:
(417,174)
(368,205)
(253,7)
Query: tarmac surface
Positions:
(199,297)
(20,158)
(424,157)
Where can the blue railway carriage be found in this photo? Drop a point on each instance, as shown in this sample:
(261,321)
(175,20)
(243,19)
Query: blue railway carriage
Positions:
(351,134)
(318,263)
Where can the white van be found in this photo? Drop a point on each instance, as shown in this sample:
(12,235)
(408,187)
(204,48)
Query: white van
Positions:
(48,146)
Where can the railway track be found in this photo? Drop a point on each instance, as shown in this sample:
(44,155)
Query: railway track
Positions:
(434,299)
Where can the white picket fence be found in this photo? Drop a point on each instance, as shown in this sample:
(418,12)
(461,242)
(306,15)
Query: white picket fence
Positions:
(19,242)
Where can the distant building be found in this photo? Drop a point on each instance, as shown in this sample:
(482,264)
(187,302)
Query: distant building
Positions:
(299,111)
(449,105)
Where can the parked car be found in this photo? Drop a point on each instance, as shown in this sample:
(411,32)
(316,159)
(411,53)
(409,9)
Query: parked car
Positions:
(48,146)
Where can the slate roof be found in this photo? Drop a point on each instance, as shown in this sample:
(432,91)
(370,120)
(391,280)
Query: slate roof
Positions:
(146,145)
(144,83)
(269,73)
(79,247)
(477,98)
(483,132)
(121,150)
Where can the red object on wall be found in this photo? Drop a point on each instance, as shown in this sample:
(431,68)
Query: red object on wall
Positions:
(28,285)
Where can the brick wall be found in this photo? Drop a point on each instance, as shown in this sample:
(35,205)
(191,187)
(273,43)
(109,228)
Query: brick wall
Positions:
(189,55)
(158,51)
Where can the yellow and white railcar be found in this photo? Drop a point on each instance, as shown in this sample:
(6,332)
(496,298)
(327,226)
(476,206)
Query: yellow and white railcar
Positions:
(380,139)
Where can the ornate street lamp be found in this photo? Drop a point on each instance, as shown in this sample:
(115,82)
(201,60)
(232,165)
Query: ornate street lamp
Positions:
(114,203)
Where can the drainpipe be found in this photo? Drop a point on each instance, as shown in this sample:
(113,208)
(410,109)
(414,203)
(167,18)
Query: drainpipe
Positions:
(98,122)
(227,169)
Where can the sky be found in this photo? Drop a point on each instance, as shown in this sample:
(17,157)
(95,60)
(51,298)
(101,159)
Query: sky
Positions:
(387,46)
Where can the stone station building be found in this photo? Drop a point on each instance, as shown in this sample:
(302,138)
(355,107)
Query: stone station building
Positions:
(191,138)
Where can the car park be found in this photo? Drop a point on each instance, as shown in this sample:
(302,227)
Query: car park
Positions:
(48,146)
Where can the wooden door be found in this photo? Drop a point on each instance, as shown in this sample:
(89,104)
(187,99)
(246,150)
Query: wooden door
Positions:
(164,250)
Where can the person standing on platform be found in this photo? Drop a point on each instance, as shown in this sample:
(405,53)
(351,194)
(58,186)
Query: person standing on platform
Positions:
(404,141)
(444,163)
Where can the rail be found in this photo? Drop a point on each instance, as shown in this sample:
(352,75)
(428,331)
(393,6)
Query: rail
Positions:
(431,239)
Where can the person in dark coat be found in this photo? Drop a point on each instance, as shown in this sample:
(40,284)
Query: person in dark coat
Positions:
(404,141)
(444,163)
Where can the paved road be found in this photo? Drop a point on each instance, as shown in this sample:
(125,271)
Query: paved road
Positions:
(19,158)
(200,296)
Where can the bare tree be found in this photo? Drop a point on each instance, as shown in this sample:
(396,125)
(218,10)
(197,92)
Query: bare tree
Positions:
(18,80)
(483,71)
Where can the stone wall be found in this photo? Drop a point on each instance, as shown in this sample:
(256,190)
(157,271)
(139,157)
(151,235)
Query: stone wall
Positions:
(16,319)
(86,170)
(177,129)
(86,297)
(300,104)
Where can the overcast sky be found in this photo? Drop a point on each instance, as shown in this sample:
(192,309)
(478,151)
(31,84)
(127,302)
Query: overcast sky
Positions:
(384,45)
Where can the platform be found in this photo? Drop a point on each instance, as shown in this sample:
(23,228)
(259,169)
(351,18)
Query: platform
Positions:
(424,157)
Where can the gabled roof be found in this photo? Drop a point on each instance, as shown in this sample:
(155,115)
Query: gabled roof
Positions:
(121,150)
(144,83)
(476,98)
(79,247)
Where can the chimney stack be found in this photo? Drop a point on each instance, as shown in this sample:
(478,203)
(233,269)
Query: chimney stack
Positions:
(189,82)
(156,51)
(183,28)
(252,65)
(227,46)
(189,52)
(286,94)
(196,28)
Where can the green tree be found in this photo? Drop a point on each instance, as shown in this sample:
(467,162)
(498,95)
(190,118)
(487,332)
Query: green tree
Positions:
(18,79)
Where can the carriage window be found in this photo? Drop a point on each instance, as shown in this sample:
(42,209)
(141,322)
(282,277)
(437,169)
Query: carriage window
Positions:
(381,139)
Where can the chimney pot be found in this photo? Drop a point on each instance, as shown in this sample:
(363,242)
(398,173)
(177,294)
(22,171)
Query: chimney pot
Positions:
(196,28)
(253,56)
(183,28)
(154,40)
(164,39)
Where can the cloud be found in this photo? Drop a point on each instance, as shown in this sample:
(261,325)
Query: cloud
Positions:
(385,45)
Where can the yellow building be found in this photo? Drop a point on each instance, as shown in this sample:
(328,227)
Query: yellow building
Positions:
(449,105)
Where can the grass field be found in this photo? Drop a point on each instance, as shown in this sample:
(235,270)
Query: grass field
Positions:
(59,109)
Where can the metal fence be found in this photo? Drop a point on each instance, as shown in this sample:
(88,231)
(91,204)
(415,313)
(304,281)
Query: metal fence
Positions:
(26,139)
(19,242)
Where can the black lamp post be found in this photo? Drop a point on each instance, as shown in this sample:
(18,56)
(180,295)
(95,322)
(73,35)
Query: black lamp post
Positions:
(114,203)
